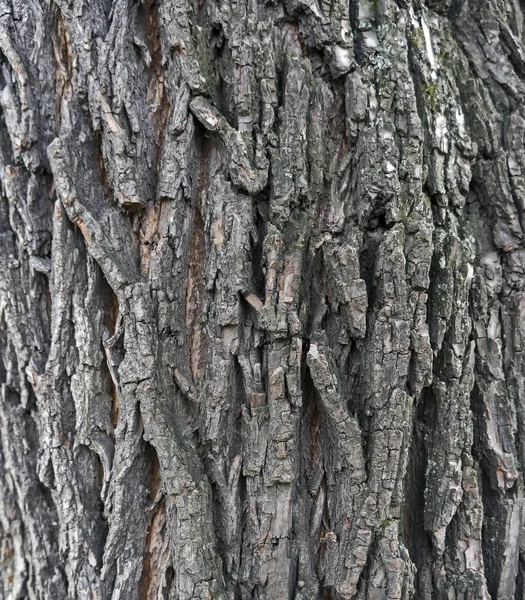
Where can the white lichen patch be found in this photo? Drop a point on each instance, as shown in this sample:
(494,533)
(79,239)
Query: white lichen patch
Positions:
(372,104)
(428,44)
(345,31)
(365,10)
(415,22)
(386,133)
(314,7)
(370,38)
(343,58)
(389,167)
(460,120)
(441,133)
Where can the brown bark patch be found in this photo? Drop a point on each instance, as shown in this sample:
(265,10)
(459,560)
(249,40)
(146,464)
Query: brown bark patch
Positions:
(148,235)
(157,91)
(194,293)
(197,254)
(63,62)
(156,552)
(155,556)
(115,406)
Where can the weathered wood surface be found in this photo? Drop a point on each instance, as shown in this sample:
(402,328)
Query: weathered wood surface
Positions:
(262,299)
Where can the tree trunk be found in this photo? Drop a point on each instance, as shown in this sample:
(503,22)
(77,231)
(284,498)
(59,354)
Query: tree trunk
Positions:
(262,299)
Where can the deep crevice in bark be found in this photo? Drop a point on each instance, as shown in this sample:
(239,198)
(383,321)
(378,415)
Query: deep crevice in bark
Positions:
(341,132)
(414,534)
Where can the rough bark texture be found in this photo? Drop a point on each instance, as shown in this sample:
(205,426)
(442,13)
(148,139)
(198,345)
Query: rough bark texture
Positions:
(262,299)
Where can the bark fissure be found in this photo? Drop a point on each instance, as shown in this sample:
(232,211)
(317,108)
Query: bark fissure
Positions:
(261,299)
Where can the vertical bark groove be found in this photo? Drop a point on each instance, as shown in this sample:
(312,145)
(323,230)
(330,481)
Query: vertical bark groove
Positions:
(261,299)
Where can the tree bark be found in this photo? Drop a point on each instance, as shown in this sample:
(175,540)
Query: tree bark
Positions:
(262,299)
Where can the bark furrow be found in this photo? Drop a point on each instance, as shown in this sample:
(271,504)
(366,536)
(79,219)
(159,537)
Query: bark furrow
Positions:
(262,299)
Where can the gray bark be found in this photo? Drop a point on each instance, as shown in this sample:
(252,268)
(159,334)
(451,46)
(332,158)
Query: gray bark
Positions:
(262,299)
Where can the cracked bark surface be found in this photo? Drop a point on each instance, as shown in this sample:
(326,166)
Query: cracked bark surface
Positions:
(262,299)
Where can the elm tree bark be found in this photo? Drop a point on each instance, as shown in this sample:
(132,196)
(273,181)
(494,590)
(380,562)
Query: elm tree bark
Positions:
(262,299)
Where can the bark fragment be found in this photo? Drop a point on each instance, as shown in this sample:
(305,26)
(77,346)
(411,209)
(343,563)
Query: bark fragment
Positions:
(261,299)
